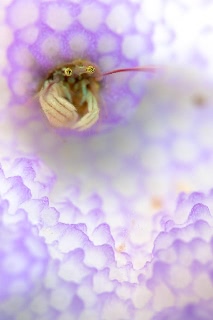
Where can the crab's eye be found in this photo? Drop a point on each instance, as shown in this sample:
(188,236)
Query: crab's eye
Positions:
(67,72)
(90,69)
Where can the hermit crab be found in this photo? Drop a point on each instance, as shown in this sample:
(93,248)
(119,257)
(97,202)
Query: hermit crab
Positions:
(69,96)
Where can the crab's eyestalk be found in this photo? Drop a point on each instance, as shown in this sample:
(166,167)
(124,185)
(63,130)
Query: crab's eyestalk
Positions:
(83,69)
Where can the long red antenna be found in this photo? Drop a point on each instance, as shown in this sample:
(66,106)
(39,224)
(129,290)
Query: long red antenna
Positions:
(143,69)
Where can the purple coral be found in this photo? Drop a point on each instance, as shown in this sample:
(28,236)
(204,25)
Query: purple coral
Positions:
(68,256)
(113,245)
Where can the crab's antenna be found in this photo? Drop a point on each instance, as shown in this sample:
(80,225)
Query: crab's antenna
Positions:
(142,69)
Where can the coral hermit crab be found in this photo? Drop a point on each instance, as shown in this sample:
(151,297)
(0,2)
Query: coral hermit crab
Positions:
(69,96)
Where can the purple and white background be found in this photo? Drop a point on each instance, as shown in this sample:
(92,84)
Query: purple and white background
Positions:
(117,224)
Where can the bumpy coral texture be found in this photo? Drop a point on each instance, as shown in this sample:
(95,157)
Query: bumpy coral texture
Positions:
(62,262)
